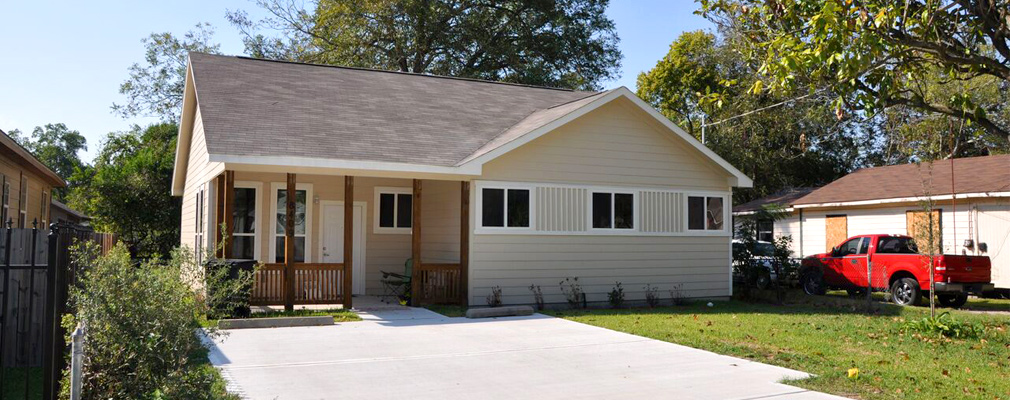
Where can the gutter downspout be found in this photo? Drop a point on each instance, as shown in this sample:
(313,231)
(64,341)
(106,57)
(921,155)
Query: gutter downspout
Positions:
(801,233)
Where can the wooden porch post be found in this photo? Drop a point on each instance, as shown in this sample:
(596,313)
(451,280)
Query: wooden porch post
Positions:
(348,240)
(219,201)
(289,245)
(464,242)
(229,214)
(415,246)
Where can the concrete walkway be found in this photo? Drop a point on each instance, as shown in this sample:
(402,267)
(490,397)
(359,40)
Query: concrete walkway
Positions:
(417,354)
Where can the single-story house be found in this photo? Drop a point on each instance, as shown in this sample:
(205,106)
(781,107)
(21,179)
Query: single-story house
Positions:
(480,184)
(971,197)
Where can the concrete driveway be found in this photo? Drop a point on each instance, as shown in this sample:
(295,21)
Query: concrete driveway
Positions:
(418,354)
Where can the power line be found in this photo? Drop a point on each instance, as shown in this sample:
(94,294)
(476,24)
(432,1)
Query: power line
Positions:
(784,102)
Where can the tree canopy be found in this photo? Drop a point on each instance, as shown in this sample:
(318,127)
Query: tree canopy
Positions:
(793,144)
(155,88)
(127,191)
(563,43)
(877,54)
(57,147)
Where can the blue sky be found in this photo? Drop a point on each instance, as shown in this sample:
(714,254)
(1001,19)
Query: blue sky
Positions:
(63,61)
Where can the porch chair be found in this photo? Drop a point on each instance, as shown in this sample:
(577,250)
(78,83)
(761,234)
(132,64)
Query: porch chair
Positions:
(396,285)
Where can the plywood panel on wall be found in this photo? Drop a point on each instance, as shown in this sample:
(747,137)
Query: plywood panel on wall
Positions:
(836,230)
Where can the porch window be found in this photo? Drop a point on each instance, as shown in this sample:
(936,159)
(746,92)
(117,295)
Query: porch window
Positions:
(300,221)
(23,202)
(505,208)
(613,210)
(395,210)
(705,213)
(243,240)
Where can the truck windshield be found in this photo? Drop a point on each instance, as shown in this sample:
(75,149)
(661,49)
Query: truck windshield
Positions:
(897,245)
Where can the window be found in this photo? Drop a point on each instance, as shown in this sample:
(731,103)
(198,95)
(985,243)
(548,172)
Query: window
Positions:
(854,246)
(44,212)
(897,245)
(23,203)
(613,210)
(505,208)
(765,231)
(198,239)
(243,240)
(395,210)
(6,201)
(705,213)
(300,222)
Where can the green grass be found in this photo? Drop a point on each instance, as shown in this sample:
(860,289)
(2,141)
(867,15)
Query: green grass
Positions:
(339,315)
(973,304)
(826,336)
(14,383)
(451,311)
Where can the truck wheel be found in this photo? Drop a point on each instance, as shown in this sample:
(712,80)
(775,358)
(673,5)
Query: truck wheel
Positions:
(763,281)
(905,292)
(952,300)
(813,283)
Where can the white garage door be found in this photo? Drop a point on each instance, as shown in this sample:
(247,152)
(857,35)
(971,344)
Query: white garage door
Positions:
(994,231)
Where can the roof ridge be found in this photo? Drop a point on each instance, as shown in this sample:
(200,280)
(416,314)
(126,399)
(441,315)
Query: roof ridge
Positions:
(364,69)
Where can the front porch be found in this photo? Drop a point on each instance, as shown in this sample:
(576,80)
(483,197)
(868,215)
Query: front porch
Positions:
(312,249)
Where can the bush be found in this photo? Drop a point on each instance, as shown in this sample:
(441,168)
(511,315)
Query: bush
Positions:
(228,288)
(538,297)
(944,325)
(677,295)
(651,295)
(572,290)
(141,322)
(494,299)
(616,296)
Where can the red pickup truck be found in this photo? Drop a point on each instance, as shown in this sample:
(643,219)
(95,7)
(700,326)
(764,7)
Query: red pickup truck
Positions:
(897,267)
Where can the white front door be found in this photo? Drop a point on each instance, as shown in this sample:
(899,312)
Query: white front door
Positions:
(994,230)
(333,241)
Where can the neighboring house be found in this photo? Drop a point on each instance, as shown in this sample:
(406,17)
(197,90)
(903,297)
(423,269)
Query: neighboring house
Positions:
(64,214)
(26,186)
(972,208)
(521,185)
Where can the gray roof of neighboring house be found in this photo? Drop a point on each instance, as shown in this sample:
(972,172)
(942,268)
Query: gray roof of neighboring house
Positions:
(69,210)
(783,198)
(252,107)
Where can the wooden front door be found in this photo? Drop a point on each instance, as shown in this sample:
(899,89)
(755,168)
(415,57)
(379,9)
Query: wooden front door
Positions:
(836,230)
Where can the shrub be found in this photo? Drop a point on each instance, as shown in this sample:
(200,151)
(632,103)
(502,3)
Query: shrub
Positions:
(572,290)
(616,296)
(141,330)
(651,295)
(944,325)
(494,299)
(228,288)
(538,296)
(677,295)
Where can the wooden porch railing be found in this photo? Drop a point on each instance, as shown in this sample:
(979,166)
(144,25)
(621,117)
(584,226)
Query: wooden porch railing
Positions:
(315,283)
(440,283)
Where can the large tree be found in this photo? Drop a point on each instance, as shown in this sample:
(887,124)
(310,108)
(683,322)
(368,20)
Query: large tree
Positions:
(780,144)
(564,43)
(128,190)
(877,54)
(57,147)
(155,88)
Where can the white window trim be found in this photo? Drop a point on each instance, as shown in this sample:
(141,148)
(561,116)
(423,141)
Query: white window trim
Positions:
(726,218)
(23,203)
(258,227)
(44,212)
(200,222)
(479,211)
(612,230)
(379,190)
(5,198)
(309,205)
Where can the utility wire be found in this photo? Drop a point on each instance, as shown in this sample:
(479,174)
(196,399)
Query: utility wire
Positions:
(784,102)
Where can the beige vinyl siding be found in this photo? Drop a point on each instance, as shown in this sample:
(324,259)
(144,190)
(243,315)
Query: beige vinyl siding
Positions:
(613,145)
(199,172)
(514,262)
(611,148)
(440,221)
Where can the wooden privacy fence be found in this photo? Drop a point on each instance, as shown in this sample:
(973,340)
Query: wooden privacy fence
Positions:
(440,284)
(314,283)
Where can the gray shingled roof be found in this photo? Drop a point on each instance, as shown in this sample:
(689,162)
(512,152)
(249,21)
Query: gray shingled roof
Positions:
(254,107)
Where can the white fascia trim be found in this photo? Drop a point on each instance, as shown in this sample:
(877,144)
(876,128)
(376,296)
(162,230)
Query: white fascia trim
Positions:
(310,162)
(905,200)
(740,213)
(183,144)
(742,180)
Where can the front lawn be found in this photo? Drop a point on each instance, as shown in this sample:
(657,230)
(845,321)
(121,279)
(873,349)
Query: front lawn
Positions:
(826,336)
(974,303)
(452,311)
